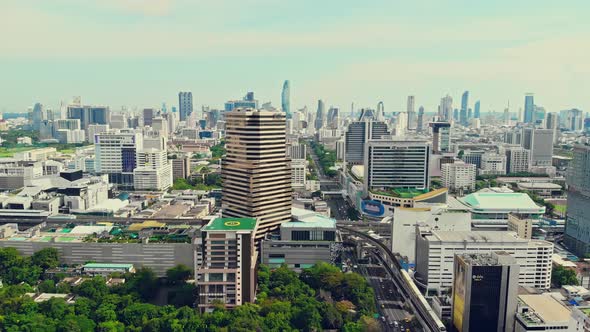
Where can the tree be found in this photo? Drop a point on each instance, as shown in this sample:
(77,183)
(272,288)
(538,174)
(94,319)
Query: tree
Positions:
(47,286)
(94,288)
(178,274)
(46,258)
(563,276)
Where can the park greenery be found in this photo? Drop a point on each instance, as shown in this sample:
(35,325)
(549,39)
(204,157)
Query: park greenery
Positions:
(286,301)
(561,276)
(327,158)
(217,151)
(200,181)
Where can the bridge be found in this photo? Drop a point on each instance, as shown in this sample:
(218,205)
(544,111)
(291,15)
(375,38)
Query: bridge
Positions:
(424,313)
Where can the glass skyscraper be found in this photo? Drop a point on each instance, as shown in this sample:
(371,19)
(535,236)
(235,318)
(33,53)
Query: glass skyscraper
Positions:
(577,226)
(529,108)
(286,99)
(476,111)
(464,106)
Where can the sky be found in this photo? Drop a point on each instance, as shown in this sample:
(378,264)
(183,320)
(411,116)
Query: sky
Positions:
(140,53)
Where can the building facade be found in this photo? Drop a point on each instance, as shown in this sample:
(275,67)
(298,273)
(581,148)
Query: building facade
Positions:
(577,229)
(459,176)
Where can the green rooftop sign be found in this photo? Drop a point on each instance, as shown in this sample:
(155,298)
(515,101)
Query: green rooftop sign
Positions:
(231,224)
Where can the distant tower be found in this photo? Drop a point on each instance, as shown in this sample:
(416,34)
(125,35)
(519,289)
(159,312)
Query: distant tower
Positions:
(286,99)
(411,112)
(320,116)
(529,108)
(476,112)
(185,105)
(445,110)
(380,111)
(464,107)
(37,116)
(420,124)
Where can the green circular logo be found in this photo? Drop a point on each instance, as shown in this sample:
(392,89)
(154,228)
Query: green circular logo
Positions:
(232,223)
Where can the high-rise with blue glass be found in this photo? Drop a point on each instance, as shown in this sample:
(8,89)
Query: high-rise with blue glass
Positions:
(185,105)
(476,111)
(286,99)
(464,107)
(529,108)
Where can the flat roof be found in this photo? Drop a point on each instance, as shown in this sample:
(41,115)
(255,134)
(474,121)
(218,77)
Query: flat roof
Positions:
(539,185)
(477,236)
(546,307)
(504,201)
(316,222)
(231,224)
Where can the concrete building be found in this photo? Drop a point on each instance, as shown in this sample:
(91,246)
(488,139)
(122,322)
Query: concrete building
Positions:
(94,129)
(485,289)
(185,105)
(493,163)
(459,176)
(302,243)
(577,229)
(491,209)
(441,137)
(181,167)
(255,170)
(436,216)
(298,173)
(296,151)
(116,156)
(89,115)
(153,171)
(472,157)
(228,270)
(435,251)
(16,174)
(541,312)
(521,224)
(517,159)
(358,133)
(581,316)
(396,164)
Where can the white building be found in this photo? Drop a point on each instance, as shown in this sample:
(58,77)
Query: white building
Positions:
(581,316)
(94,129)
(436,216)
(459,176)
(517,159)
(154,171)
(298,172)
(435,251)
(542,312)
(116,155)
(492,163)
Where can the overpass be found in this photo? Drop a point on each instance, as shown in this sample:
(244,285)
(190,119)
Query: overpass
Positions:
(424,313)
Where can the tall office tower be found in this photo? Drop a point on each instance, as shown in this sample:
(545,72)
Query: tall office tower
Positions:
(506,117)
(89,115)
(476,111)
(333,118)
(445,109)
(153,171)
(352,110)
(464,106)
(552,123)
(286,99)
(401,124)
(396,164)
(185,105)
(577,237)
(37,116)
(441,137)
(181,167)
(411,110)
(148,116)
(46,130)
(517,159)
(320,117)
(571,119)
(357,134)
(485,290)
(164,108)
(529,108)
(456,114)
(540,143)
(380,111)
(161,125)
(255,170)
(227,273)
(116,156)
(70,124)
(420,121)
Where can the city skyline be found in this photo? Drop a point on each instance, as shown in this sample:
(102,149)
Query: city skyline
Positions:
(85,49)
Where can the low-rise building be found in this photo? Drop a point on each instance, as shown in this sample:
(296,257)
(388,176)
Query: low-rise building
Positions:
(459,176)
(521,224)
(541,312)
(491,209)
(105,269)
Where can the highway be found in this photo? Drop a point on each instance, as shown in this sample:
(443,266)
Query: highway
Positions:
(424,314)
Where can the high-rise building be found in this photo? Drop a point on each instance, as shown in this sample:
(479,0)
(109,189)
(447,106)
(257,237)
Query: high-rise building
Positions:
(380,111)
(459,176)
(445,109)
(320,117)
(357,134)
(420,122)
(153,171)
(393,164)
(255,170)
(571,119)
(298,173)
(185,105)
(529,108)
(552,122)
(493,163)
(541,147)
(148,116)
(517,159)
(227,273)
(411,110)
(441,137)
(286,99)
(464,107)
(485,290)
(89,115)
(247,102)
(116,155)
(333,118)
(181,167)
(476,110)
(435,251)
(473,157)
(577,226)
(37,116)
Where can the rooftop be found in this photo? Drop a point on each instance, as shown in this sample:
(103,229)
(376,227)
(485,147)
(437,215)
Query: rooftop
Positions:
(504,201)
(231,224)
(476,236)
(318,222)
(400,192)
(546,307)
(107,266)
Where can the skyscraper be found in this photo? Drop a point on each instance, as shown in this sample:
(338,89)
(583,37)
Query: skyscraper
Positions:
(445,109)
(255,170)
(286,99)
(420,123)
(37,116)
(441,137)
(116,156)
(485,292)
(464,107)
(148,116)
(529,108)
(320,117)
(185,105)
(357,134)
(411,110)
(380,111)
(89,115)
(576,236)
(476,111)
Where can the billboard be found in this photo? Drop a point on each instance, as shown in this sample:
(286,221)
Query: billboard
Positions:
(459,293)
(372,208)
